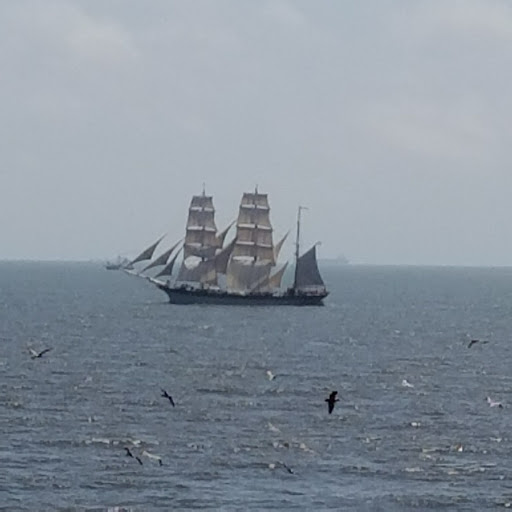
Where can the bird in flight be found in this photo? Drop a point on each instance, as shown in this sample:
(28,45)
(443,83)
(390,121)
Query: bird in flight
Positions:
(270,375)
(153,457)
(166,395)
(331,401)
(407,384)
(288,468)
(36,355)
(274,465)
(130,454)
(494,403)
(472,342)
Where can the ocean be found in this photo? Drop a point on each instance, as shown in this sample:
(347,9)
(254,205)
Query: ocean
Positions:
(412,430)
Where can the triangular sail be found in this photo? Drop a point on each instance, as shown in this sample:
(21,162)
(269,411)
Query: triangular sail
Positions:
(307,273)
(272,282)
(222,236)
(279,245)
(275,280)
(167,270)
(222,258)
(162,259)
(147,254)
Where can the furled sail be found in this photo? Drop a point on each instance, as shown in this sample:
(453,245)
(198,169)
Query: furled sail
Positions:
(200,238)
(162,259)
(147,254)
(253,254)
(167,270)
(307,273)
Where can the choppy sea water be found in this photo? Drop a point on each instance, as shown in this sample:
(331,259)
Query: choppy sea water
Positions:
(66,418)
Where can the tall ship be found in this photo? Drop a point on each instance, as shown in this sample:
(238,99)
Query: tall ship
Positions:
(244,271)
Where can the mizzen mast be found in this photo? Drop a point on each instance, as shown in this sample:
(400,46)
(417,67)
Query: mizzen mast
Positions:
(297,245)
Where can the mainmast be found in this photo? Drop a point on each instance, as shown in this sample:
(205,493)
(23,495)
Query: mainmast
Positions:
(253,253)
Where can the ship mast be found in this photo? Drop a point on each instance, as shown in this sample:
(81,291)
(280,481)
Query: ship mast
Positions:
(297,245)
(203,229)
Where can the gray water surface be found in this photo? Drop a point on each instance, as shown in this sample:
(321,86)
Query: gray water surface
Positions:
(66,418)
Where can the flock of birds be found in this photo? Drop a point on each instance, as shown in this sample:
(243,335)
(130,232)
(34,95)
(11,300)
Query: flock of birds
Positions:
(38,355)
(330,400)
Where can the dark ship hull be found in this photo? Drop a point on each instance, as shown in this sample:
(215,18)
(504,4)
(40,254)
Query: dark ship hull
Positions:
(188,295)
(113,266)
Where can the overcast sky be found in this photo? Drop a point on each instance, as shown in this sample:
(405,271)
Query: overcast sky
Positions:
(390,120)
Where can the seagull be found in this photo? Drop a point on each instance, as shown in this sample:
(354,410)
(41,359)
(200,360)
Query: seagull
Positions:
(271,376)
(272,428)
(166,395)
(332,400)
(279,463)
(289,469)
(36,355)
(493,403)
(130,454)
(472,342)
(154,457)
(407,384)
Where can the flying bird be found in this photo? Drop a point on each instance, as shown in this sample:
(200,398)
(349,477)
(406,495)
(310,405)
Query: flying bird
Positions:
(153,457)
(166,395)
(130,454)
(270,375)
(331,401)
(36,355)
(273,465)
(472,342)
(289,469)
(407,384)
(494,403)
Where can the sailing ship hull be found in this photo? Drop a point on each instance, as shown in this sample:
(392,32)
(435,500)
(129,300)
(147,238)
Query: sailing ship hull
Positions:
(184,295)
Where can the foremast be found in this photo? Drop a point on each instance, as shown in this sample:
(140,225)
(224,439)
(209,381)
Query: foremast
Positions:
(201,242)
(203,254)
